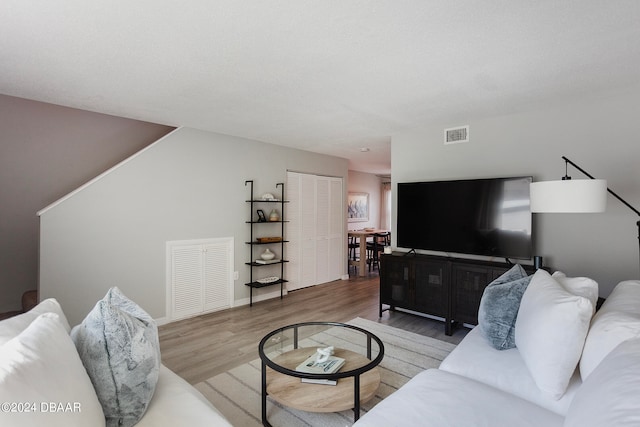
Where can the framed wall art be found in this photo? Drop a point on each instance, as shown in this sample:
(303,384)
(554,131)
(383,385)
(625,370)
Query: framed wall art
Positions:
(358,207)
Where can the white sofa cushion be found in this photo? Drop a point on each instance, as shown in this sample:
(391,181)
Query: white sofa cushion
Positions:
(11,327)
(41,366)
(610,396)
(503,369)
(551,328)
(617,320)
(582,286)
(435,398)
(118,345)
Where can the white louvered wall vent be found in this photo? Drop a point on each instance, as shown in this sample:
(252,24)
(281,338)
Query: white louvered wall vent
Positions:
(456,135)
(199,276)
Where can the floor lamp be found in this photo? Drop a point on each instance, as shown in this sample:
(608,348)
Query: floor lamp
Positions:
(581,195)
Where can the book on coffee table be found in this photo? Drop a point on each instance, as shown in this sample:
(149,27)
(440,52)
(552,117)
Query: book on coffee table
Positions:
(329,366)
(314,381)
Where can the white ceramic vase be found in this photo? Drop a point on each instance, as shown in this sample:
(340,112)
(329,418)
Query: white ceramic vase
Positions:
(267,255)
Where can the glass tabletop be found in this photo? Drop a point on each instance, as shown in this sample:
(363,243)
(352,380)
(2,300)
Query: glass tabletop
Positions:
(286,348)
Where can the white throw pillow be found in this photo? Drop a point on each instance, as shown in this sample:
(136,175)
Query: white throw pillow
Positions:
(617,320)
(611,394)
(582,286)
(551,328)
(11,327)
(42,379)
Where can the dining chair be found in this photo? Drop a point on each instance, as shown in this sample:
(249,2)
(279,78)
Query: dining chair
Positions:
(376,247)
(354,248)
(353,252)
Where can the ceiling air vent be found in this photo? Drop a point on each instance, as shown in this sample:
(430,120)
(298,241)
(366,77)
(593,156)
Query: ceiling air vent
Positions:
(456,135)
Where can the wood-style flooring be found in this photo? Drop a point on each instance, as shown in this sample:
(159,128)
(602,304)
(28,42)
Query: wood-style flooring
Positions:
(204,346)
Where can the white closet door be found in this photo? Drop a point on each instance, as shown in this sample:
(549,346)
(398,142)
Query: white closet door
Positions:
(337,255)
(308,231)
(322,230)
(315,230)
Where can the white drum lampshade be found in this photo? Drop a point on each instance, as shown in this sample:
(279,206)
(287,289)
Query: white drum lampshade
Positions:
(569,196)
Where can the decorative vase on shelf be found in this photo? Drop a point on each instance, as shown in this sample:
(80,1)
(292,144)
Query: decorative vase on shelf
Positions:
(267,255)
(274,216)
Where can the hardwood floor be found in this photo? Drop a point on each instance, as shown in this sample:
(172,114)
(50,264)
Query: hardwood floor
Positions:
(204,346)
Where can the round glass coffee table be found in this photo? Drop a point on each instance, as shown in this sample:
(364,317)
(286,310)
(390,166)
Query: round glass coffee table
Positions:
(282,350)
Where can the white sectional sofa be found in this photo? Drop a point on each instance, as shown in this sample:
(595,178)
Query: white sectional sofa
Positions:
(478,385)
(43,380)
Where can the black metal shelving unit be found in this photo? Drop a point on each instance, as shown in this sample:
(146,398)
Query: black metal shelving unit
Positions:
(253,243)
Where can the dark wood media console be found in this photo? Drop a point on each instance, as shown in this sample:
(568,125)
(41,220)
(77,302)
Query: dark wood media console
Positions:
(449,288)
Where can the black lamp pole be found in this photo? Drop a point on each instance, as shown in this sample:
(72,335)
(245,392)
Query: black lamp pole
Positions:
(612,193)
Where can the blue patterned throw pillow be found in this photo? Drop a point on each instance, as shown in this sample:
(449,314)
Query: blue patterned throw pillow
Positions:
(499,307)
(118,345)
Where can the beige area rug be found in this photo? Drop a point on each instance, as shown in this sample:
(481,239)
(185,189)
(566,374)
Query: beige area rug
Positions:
(236,393)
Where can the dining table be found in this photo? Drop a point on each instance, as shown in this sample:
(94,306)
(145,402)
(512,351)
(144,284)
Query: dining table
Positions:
(362,236)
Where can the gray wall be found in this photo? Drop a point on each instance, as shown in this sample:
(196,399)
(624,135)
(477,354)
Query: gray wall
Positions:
(45,152)
(188,185)
(599,134)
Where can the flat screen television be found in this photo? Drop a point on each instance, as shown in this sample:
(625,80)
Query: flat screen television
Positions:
(489,217)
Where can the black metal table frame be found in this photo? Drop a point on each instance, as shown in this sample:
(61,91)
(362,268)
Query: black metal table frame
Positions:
(355,373)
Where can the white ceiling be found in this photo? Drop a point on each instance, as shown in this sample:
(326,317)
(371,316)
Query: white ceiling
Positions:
(329,76)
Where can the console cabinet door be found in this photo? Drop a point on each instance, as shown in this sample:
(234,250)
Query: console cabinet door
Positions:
(469,282)
(395,280)
(432,287)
